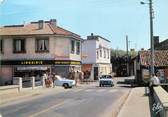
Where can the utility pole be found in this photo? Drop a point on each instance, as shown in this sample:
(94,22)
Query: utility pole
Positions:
(127,55)
(127,44)
(152,68)
(151,36)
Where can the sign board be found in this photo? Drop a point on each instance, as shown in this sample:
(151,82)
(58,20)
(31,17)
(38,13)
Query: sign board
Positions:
(145,74)
(40,62)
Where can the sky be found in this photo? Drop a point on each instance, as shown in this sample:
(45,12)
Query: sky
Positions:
(111,19)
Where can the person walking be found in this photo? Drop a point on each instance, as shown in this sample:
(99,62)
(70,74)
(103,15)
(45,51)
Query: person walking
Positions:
(53,79)
(44,79)
(154,81)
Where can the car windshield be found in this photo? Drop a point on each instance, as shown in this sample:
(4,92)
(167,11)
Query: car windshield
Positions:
(105,77)
(109,77)
(58,77)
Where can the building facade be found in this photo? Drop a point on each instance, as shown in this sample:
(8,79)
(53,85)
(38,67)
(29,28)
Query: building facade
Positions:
(96,57)
(38,47)
(142,66)
(160,45)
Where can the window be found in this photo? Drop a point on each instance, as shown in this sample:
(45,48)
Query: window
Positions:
(19,46)
(108,54)
(1,46)
(97,53)
(104,53)
(72,46)
(77,48)
(42,45)
(100,52)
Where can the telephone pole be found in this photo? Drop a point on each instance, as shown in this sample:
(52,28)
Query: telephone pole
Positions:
(127,55)
(152,68)
(151,36)
(127,44)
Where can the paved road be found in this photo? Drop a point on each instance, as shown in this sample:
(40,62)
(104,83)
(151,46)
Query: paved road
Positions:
(88,101)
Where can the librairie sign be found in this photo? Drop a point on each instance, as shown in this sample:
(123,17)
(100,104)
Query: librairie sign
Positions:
(39,62)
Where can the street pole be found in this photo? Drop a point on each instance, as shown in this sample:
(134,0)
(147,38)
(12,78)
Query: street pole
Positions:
(127,44)
(151,37)
(127,55)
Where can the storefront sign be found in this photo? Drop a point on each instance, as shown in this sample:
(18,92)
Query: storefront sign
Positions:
(39,62)
(32,62)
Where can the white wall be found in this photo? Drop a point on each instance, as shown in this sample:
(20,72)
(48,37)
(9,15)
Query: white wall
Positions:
(90,48)
(89,51)
(30,50)
(59,49)
(104,44)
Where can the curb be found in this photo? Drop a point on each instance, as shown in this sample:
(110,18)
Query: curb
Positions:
(121,102)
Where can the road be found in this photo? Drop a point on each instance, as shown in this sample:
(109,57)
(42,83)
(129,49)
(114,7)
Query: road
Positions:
(86,101)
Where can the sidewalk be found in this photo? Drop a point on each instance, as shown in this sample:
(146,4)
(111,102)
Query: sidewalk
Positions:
(136,105)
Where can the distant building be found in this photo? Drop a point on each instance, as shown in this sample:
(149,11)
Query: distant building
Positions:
(160,45)
(38,47)
(142,65)
(96,57)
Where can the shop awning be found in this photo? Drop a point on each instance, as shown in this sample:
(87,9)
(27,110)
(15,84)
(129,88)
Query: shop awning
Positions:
(31,68)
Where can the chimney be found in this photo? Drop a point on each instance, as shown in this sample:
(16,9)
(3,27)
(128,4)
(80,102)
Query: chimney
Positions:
(53,22)
(156,40)
(91,34)
(40,24)
(142,49)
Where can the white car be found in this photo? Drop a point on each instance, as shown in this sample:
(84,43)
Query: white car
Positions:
(66,83)
(105,80)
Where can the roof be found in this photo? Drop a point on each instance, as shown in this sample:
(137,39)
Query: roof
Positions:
(95,37)
(160,59)
(162,45)
(32,29)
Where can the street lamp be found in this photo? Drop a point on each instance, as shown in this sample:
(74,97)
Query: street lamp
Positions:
(151,34)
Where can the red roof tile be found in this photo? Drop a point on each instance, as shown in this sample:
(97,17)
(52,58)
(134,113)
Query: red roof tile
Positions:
(32,29)
(160,58)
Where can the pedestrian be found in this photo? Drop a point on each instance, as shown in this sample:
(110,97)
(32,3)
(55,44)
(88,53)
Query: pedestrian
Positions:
(81,76)
(154,81)
(50,77)
(53,79)
(44,79)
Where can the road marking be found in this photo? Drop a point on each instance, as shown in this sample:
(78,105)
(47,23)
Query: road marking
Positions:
(77,90)
(88,90)
(100,90)
(47,109)
(112,90)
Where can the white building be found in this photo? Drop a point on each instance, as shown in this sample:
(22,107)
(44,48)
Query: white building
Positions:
(96,57)
(37,47)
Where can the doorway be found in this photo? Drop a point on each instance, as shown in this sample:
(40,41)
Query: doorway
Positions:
(95,73)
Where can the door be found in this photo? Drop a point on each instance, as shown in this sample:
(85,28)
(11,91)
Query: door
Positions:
(95,73)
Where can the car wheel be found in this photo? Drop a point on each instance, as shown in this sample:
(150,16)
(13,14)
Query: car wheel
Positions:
(100,85)
(65,85)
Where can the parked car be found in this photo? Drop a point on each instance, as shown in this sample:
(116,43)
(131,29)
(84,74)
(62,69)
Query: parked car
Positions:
(66,83)
(106,80)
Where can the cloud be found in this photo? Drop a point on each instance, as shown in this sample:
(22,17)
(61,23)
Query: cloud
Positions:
(1,1)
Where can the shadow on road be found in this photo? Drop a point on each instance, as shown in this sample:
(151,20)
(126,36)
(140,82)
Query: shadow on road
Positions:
(126,86)
(128,83)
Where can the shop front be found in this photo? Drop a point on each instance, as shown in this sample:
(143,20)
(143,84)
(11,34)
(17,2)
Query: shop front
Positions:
(36,68)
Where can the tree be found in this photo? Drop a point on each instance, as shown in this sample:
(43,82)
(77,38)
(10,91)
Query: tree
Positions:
(120,53)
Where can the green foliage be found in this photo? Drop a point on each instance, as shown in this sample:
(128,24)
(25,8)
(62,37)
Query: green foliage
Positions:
(120,53)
